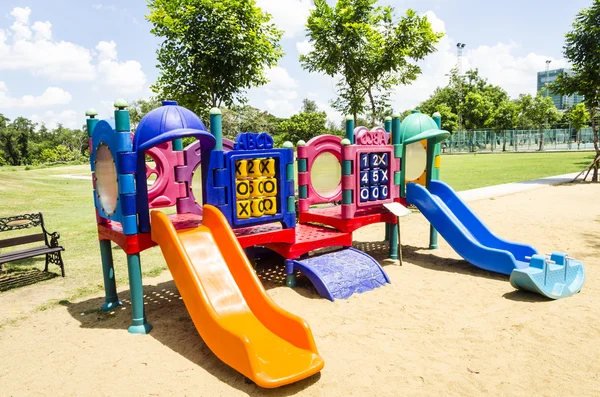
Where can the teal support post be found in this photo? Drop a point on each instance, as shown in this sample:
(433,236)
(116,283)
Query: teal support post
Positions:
(122,122)
(429,173)
(111,300)
(393,241)
(216,127)
(388,128)
(388,124)
(350,129)
(433,173)
(91,121)
(178,145)
(396,138)
(139,325)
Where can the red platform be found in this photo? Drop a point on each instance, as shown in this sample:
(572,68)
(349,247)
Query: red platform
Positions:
(249,236)
(309,238)
(332,216)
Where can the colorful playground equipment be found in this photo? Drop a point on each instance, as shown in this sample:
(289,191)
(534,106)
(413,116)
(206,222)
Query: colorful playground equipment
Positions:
(247,198)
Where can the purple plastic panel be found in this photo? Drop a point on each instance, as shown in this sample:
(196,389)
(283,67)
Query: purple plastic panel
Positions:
(339,274)
(192,158)
(313,148)
(165,190)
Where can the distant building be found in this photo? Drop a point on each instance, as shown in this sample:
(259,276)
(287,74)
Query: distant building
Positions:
(560,101)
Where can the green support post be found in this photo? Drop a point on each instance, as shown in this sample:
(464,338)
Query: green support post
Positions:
(216,127)
(350,129)
(397,142)
(388,128)
(178,145)
(393,241)
(122,122)
(91,121)
(139,325)
(433,173)
(111,300)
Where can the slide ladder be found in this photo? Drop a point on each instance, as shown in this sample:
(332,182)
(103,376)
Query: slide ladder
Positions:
(557,277)
(232,312)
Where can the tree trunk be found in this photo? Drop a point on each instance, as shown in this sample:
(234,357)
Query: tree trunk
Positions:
(504,141)
(595,131)
(541,142)
(373,111)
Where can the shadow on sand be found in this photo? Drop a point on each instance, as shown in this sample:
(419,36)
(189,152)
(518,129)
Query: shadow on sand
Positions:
(166,311)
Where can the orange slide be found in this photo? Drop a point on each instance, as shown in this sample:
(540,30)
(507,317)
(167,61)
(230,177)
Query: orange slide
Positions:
(229,306)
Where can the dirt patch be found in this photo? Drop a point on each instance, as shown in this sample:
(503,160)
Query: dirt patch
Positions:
(441,328)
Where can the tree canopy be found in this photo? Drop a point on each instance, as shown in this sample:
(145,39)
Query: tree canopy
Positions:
(582,50)
(212,51)
(369,48)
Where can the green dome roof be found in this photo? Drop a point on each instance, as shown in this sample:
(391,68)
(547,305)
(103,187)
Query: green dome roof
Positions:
(418,123)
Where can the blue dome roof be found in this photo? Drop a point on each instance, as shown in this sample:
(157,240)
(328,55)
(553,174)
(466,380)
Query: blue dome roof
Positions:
(166,118)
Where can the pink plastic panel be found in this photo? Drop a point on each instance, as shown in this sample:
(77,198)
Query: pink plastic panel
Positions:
(165,191)
(313,148)
(376,136)
(352,182)
(192,158)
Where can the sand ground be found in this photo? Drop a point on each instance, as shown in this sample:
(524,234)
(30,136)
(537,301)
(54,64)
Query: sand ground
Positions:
(441,328)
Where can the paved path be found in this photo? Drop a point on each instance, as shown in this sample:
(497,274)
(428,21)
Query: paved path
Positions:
(505,189)
(481,193)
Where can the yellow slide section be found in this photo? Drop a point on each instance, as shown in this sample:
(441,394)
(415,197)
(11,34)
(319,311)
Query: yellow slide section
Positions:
(229,306)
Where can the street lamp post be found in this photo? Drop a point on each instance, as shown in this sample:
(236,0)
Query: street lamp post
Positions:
(459,53)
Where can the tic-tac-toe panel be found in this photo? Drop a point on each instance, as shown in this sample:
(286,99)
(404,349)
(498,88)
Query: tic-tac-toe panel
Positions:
(368,170)
(253,183)
(374,177)
(256,193)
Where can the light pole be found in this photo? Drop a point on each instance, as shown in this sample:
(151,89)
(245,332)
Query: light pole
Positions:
(459,53)
(547,94)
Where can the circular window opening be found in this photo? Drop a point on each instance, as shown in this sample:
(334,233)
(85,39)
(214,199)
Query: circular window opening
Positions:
(416,161)
(326,174)
(107,187)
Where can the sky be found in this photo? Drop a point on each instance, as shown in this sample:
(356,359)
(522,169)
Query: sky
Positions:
(61,57)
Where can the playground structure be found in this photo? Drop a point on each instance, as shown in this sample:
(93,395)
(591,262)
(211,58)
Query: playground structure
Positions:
(247,198)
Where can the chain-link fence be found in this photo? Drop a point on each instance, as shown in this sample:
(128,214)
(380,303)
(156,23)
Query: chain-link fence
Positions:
(518,140)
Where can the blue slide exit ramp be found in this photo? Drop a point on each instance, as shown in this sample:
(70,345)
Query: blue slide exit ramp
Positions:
(466,233)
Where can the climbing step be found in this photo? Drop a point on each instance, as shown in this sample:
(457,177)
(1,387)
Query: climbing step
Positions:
(339,274)
(558,277)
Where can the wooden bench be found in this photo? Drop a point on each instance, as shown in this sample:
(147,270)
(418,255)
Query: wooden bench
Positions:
(29,221)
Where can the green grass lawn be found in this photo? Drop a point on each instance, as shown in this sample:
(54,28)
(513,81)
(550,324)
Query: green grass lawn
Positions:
(67,206)
(467,171)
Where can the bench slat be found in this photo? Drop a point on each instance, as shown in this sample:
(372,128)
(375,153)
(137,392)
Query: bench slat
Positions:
(32,238)
(23,254)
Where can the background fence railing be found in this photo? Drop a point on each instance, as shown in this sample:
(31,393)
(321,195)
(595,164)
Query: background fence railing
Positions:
(518,140)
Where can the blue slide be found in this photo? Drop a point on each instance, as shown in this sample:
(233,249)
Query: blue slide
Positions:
(464,231)
(557,277)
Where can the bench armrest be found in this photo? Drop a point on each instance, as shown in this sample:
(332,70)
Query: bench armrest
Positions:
(54,239)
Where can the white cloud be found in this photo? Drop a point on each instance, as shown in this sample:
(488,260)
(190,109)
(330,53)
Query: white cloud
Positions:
(52,96)
(57,60)
(125,77)
(498,63)
(109,7)
(280,90)
(279,78)
(280,107)
(304,47)
(289,15)
(42,56)
(20,26)
(43,30)
(68,118)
